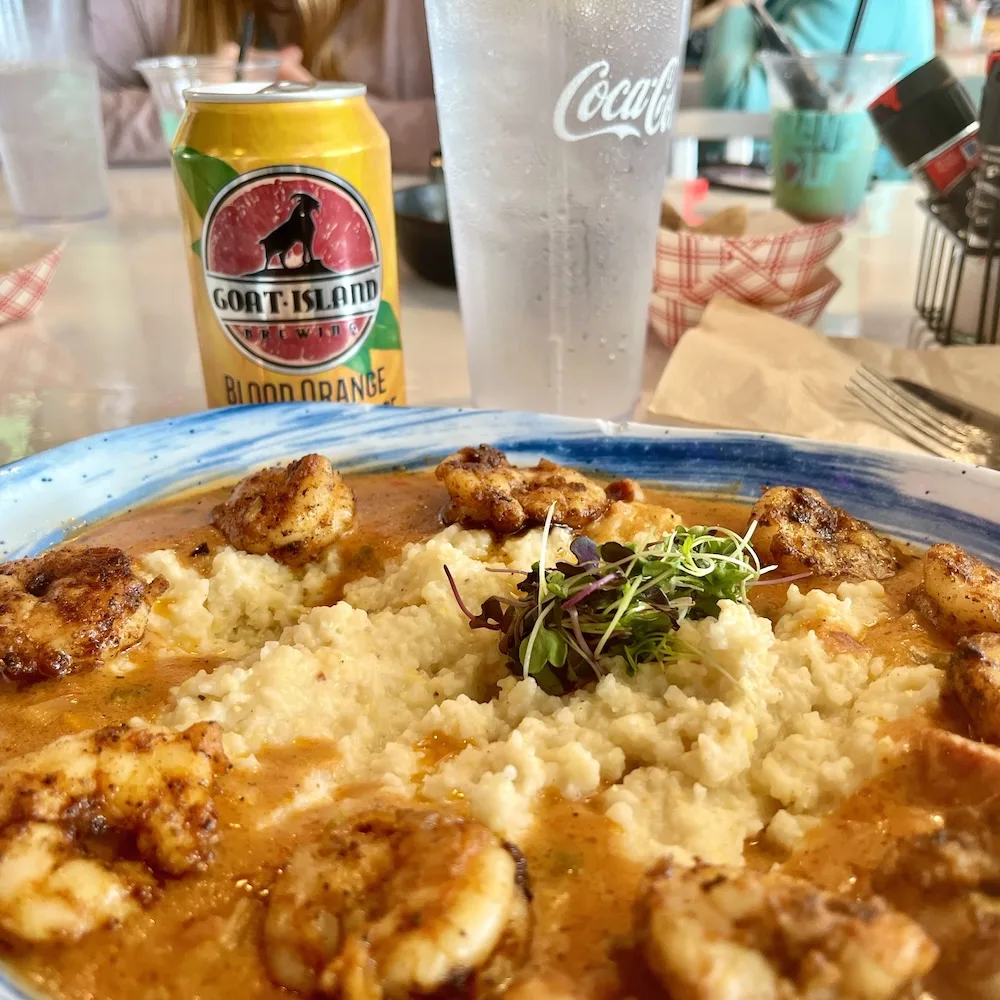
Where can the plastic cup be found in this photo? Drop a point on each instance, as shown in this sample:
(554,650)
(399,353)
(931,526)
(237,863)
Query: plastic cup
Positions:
(555,119)
(170,76)
(823,160)
(51,134)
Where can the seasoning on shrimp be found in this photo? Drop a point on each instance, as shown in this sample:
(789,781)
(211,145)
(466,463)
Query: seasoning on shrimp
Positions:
(398,901)
(151,786)
(70,610)
(292,513)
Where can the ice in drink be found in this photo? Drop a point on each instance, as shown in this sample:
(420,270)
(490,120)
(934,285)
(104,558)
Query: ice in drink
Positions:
(555,117)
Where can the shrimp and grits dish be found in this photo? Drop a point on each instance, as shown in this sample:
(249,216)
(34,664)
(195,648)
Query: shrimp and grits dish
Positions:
(488,730)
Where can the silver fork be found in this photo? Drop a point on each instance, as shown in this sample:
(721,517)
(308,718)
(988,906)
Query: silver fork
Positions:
(922,423)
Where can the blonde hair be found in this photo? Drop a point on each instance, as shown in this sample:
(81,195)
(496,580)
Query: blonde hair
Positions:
(207,24)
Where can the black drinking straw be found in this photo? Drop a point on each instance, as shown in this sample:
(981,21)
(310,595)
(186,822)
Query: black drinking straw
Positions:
(859,19)
(246,41)
(805,88)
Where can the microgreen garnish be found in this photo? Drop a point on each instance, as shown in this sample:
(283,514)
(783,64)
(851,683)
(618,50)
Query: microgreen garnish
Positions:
(777,580)
(616,600)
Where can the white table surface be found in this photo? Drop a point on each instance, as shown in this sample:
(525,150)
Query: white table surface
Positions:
(114,341)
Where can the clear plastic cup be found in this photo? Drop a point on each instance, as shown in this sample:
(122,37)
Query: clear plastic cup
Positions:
(51,133)
(555,119)
(170,76)
(823,160)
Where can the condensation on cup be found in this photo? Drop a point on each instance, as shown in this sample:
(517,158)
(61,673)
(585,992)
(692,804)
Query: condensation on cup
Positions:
(555,118)
(51,137)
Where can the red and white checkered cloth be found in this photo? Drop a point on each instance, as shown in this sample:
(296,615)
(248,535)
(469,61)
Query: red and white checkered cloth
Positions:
(23,288)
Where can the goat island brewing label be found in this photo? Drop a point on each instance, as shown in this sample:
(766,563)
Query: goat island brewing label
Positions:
(286,194)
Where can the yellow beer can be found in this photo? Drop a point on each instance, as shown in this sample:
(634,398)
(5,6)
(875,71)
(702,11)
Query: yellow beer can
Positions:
(286,196)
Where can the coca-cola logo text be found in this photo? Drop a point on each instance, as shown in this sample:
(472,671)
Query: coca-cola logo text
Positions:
(592,105)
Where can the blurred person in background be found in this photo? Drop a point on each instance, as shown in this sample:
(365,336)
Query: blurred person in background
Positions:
(381,43)
(700,19)
(734,77)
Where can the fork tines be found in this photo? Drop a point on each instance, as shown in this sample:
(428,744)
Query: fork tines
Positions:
(919,421)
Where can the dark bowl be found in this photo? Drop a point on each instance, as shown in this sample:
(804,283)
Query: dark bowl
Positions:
(424,233)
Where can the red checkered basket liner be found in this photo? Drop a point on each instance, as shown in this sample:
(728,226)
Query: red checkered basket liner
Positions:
(739,280)
(670,317)
(22,287)
(689,263)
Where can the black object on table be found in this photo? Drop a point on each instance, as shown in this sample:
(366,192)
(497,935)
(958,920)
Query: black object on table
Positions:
(951,274)
(859,20)
(738,177)
(804,87)
(246,42)
(929,122)
(954,407)
(424,232)
(985,203)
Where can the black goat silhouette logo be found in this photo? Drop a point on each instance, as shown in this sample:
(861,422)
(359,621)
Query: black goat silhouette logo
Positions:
(299,227)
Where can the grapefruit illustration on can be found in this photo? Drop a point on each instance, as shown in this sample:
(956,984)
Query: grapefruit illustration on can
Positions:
(292,246)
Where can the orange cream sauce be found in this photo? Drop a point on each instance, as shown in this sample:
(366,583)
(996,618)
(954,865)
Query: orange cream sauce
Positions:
(201,937)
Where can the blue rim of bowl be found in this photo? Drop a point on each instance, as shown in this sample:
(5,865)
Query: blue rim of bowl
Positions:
(50,495)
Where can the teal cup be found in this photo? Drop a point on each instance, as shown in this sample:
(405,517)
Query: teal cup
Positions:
(823,161)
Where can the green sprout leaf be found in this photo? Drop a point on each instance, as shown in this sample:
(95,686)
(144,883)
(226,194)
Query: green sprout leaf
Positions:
(549,648)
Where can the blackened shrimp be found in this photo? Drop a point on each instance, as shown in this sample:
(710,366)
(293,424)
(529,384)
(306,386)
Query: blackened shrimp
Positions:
(719,933)
(487,491)
(949,878)
(292,513)
(147,791)
(50,892)
(961,594)
(70,610)
(396,902)
(799,531)
(973,679)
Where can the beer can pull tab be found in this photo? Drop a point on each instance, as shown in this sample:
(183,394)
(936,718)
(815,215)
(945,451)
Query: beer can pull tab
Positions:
(286,87)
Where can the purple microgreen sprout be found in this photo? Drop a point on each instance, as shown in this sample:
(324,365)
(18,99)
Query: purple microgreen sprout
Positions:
(581,642)
(618,601)
(582,595)
(465,611)
(585,551)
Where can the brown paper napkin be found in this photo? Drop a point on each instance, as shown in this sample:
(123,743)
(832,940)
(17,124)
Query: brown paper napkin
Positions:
(744,369)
